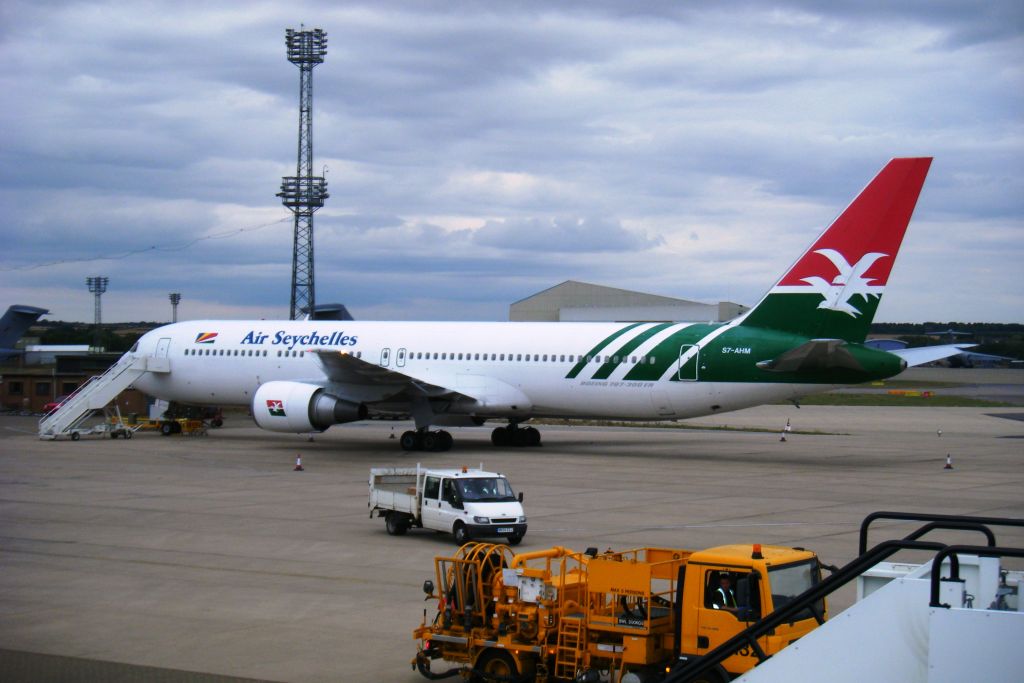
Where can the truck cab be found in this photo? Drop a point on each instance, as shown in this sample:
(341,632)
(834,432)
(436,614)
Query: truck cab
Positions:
(727,587)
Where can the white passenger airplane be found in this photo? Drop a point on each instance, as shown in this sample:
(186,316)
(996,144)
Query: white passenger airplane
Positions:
(805,336)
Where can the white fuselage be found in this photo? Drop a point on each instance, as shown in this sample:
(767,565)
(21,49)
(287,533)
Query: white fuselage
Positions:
(225,362)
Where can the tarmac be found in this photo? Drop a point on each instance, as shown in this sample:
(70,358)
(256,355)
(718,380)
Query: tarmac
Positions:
(210,559)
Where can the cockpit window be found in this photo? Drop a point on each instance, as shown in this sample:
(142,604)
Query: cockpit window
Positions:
(135,347)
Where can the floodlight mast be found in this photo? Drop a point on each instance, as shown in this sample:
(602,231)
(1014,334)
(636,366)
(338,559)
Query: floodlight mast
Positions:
(175,297)
(304,193)
(97,286)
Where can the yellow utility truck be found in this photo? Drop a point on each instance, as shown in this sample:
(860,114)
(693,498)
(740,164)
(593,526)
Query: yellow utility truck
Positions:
(619,616)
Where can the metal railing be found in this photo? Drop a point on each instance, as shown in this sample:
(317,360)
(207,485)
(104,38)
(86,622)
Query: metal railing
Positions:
(710,663)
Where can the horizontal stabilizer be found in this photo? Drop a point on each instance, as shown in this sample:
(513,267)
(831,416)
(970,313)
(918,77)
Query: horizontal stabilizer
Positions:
(927,354)
(817,354)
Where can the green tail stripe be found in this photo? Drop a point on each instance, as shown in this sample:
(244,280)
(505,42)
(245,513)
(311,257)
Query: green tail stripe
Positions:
(609,366)
(604,342)
(666,354)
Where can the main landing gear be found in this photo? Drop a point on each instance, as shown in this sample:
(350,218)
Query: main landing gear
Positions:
(425,440)
(514,435)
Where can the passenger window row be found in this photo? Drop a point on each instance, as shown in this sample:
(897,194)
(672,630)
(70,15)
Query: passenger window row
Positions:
(281,353)
(526,357)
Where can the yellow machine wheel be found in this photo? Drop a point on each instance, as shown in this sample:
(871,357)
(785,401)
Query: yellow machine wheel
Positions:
(495,665)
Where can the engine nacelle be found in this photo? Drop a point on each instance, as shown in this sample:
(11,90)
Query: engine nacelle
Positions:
(297,407)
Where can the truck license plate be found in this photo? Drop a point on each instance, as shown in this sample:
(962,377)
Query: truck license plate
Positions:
(504,529)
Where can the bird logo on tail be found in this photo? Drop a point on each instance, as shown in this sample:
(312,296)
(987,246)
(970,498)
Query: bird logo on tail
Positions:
(848,283)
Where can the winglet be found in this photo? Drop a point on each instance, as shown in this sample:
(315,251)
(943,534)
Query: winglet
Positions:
(834,288)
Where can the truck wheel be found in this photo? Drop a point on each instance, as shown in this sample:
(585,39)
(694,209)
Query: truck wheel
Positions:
(495,665)
(461,533)
(514,539)
(395,523)
(166,428)
(75,436)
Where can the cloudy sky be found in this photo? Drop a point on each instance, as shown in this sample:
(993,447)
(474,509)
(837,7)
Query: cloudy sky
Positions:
(479,152)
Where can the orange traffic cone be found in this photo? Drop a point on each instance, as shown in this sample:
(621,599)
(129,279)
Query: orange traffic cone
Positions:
(298,464)
(949,462)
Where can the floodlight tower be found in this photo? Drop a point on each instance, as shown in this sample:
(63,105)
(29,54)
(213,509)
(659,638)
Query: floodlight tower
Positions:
(97,286)
(304,193)
(175,297)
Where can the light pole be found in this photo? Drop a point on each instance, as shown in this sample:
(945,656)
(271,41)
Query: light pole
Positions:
(175,297)
(97,285)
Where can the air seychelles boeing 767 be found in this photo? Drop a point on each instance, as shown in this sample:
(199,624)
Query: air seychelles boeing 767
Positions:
(805,336)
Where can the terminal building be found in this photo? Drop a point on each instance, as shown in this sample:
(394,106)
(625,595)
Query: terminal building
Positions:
(574,301)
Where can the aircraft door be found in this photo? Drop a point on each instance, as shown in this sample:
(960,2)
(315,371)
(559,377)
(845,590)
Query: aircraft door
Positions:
(400,358)
(689,363)
(162,347)
(385,357)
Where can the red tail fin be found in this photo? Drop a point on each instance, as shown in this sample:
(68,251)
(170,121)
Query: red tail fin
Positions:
(832,291)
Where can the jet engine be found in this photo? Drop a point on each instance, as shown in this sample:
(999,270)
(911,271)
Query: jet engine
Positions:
(298,407)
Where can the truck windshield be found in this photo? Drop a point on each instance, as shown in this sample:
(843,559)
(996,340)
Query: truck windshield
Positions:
(791,580)
(486,490)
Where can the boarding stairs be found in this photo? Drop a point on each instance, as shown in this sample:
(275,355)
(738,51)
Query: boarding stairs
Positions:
(920,627)
(97,392)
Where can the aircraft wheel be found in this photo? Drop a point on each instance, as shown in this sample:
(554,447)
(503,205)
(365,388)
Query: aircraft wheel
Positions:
(432,441)
(446,440)
(531,436)
(409,441)
(501,437)
(520,437)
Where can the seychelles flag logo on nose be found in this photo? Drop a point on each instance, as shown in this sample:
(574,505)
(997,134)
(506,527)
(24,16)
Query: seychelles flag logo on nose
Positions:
(276,408)
(206,337)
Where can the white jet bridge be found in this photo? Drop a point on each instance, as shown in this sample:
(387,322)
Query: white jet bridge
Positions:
(959,617)
(96,393)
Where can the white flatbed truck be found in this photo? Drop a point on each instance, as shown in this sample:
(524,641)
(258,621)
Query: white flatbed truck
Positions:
(467,503)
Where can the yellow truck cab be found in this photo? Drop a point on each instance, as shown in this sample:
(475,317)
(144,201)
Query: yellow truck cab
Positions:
(726,587)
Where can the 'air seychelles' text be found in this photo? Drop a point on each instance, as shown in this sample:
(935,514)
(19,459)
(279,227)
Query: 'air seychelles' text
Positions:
(281,338)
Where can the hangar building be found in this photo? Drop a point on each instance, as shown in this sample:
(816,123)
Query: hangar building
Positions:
(574,301)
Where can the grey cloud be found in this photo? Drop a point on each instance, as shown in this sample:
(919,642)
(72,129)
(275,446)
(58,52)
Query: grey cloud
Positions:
(454,135)
(566,235)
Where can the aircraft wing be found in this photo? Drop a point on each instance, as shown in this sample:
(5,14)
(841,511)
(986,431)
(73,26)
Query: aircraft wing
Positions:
(926,354)
(344,368)
(817,354)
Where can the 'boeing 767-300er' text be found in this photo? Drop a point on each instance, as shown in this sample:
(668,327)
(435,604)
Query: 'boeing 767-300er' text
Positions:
(805,336)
